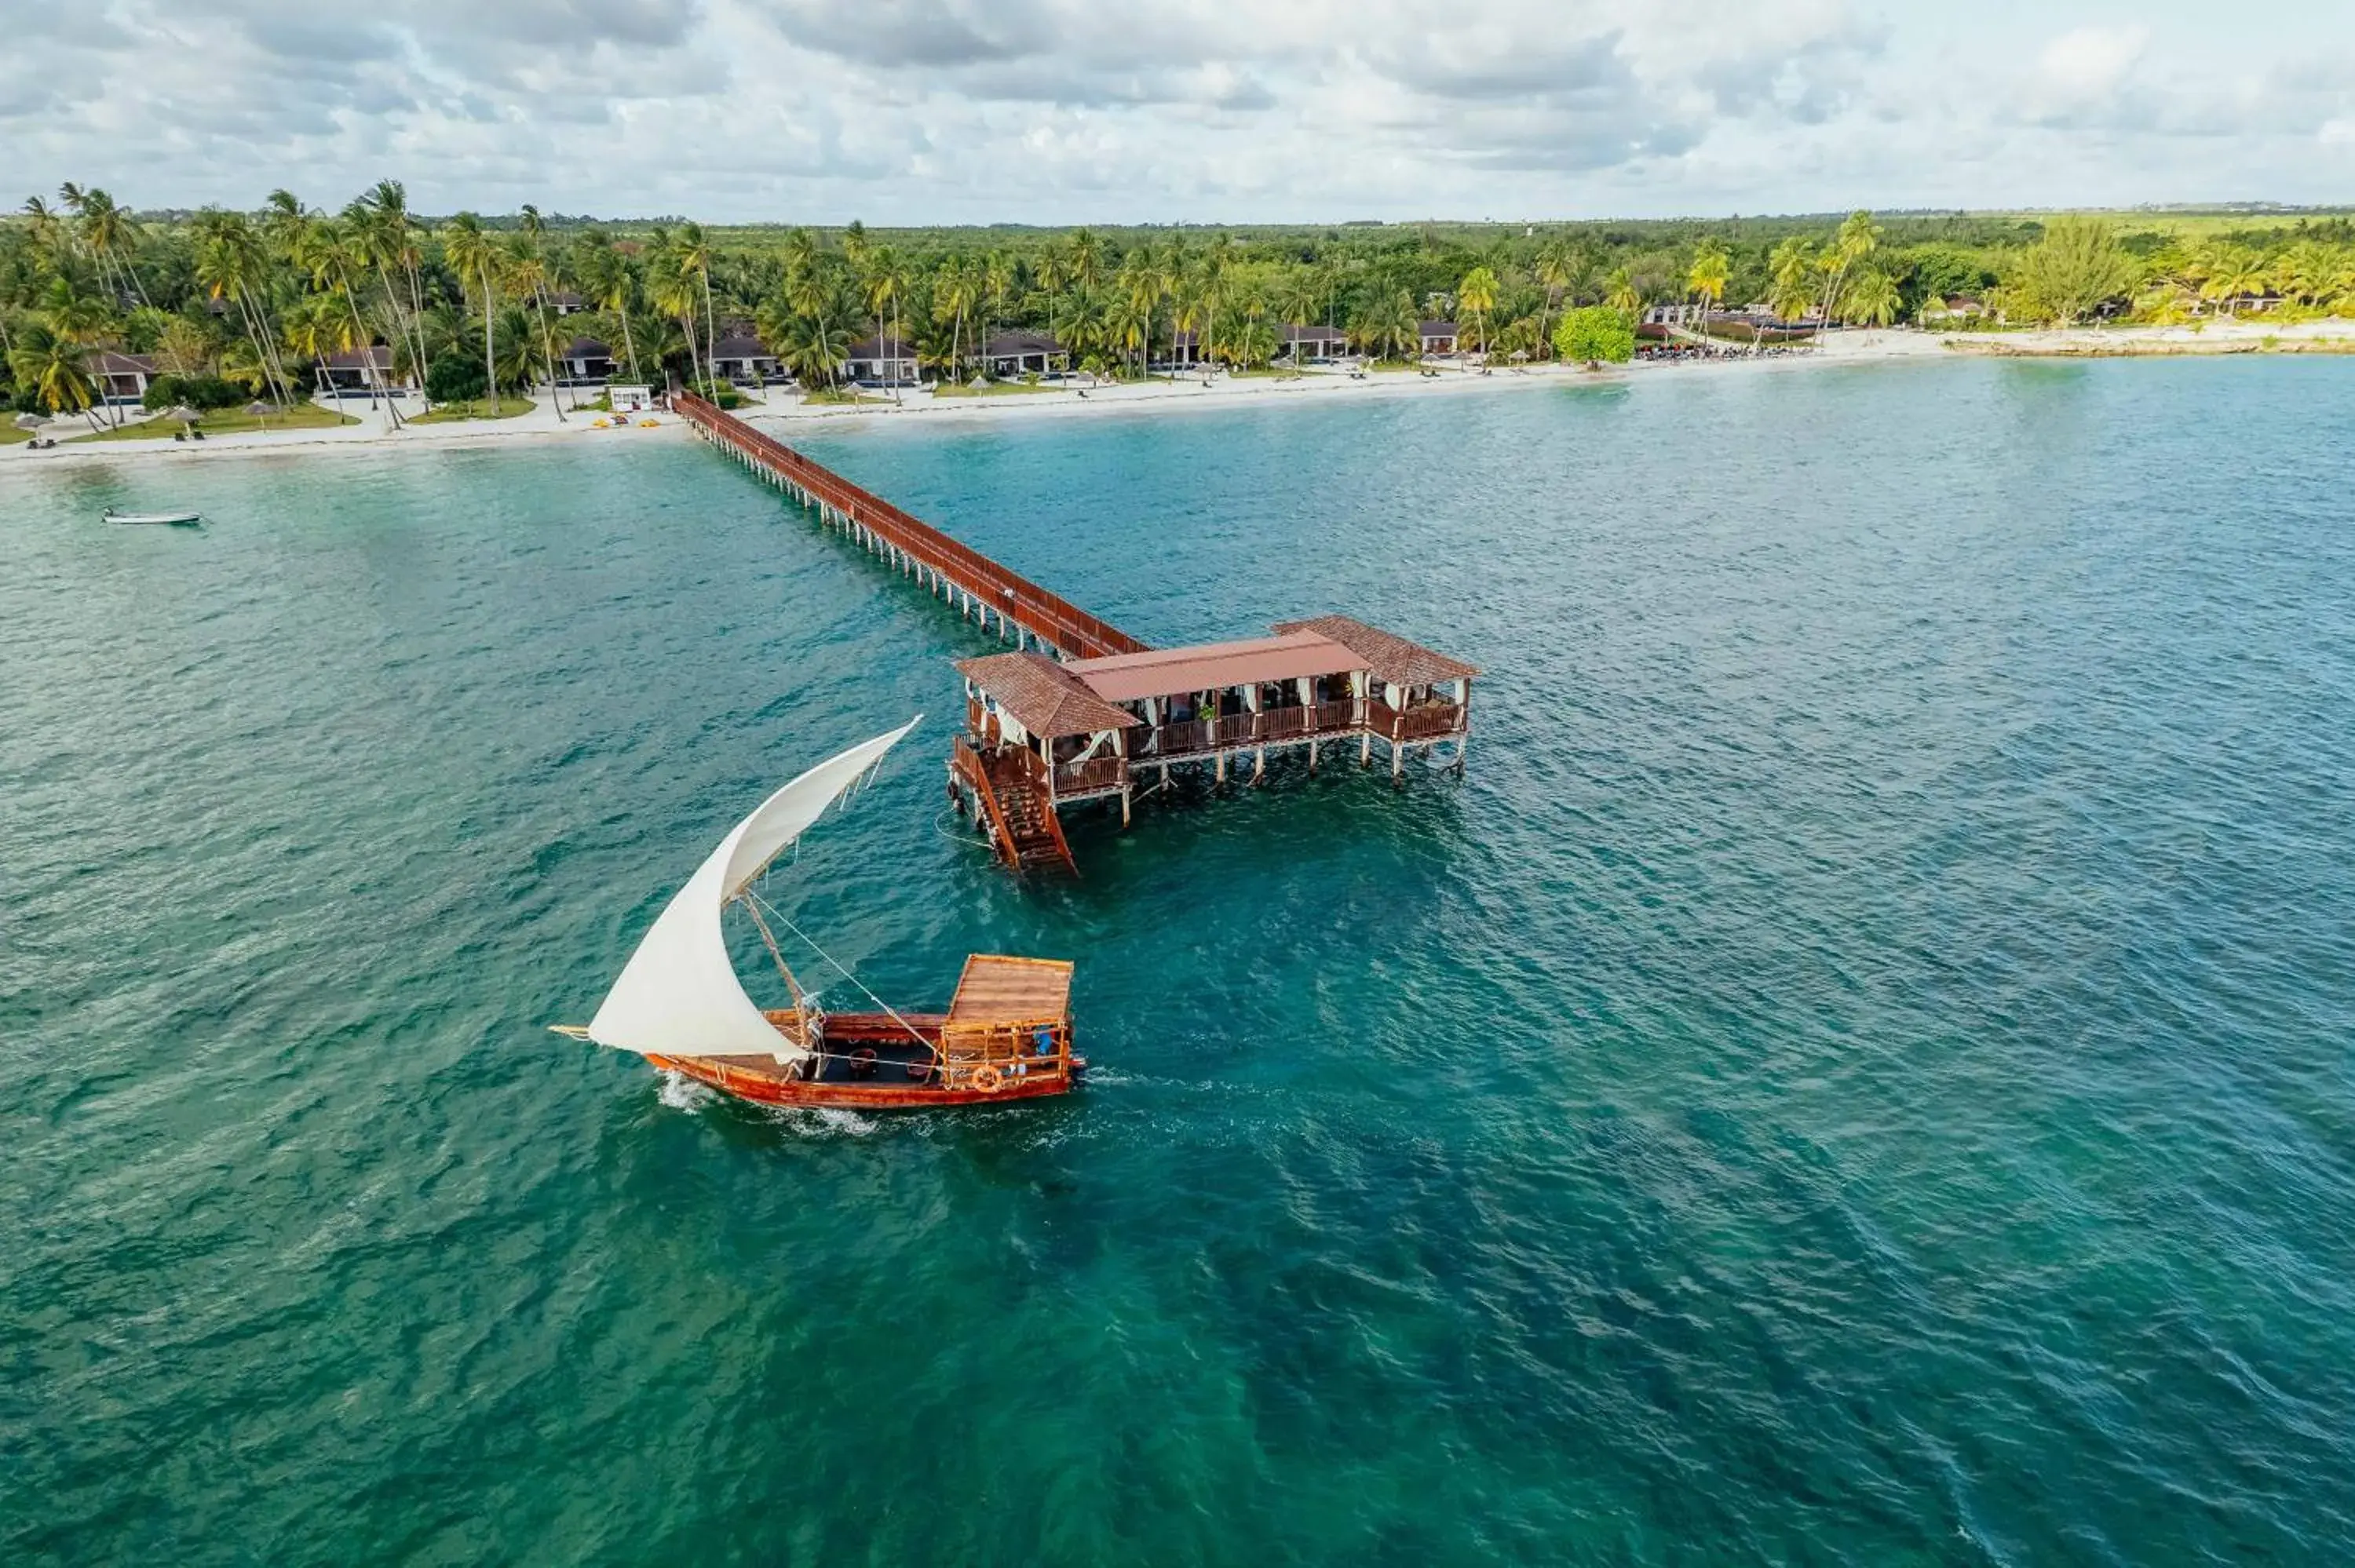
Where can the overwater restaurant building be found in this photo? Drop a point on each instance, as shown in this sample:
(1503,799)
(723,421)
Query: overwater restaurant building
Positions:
(1041,735)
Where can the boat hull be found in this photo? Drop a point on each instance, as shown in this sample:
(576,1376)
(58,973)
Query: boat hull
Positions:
(766,1090)
(895,1040)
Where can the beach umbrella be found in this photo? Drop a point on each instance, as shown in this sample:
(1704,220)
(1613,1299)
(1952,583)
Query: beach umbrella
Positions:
(30,421)
(258,408)
(183,413)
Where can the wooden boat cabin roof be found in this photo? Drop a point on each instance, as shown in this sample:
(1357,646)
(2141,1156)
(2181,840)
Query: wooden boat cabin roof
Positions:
(994,988)
(1213,666)
(1044,697)
(1388,657)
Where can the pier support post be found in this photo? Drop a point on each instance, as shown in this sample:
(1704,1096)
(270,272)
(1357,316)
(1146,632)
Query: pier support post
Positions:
(1221,765)
(1366,749)
(1311,754)
(1397,765)
(1259,764)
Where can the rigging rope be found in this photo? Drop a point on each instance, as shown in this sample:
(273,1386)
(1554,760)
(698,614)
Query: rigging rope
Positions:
(912,1033)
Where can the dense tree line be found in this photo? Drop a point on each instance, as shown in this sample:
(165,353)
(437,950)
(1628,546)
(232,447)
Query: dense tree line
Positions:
(468,304)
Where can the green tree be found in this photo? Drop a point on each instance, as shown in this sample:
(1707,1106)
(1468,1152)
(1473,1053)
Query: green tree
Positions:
(1873,298)
(1596,335)
(51,365)
(1705,279)
(2073,271)
(1477,294)
(475,255)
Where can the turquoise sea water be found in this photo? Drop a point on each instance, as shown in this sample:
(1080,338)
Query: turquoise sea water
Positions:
(1859,1073)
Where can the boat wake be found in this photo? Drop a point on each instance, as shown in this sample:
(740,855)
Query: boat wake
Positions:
(681,1093)
(824,1121)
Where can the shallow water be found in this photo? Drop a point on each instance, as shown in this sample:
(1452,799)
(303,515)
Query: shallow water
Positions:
(1859,1072)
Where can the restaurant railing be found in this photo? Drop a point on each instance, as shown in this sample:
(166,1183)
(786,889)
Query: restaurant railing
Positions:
(1085,778)
(1414,723)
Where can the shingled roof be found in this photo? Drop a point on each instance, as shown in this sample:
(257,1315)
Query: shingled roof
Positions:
(1390,658)
(1042,696)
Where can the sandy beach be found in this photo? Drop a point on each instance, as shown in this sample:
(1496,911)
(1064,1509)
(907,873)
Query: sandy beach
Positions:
(784,409)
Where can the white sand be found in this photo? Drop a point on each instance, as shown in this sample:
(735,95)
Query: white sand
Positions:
(785,408)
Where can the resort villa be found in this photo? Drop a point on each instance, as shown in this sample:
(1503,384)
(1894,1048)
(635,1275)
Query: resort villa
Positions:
(1438,339)
(359,371)
(1305,343)
(121,377)
(882,362)
(585,362)
(744,359)
(1011,353)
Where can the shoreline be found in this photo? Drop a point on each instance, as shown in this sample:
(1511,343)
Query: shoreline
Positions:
(1849,348)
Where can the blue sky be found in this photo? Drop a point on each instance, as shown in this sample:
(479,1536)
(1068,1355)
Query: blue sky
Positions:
(1238,110)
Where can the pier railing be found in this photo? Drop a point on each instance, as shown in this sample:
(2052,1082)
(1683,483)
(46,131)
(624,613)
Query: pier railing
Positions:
(1054,620)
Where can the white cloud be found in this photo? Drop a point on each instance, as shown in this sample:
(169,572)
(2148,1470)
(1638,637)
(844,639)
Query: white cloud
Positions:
(2090,62)
(1056,110)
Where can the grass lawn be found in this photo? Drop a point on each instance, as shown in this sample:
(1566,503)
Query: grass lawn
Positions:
(510,407)
(10,435)
(836,395)
(1002,389)
(229,422)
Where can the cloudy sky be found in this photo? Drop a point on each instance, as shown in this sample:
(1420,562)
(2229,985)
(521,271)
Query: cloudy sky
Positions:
(1239,111)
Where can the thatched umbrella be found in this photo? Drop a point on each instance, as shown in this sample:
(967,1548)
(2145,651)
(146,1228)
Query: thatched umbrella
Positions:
(183,413)
(258,408)
(31,421)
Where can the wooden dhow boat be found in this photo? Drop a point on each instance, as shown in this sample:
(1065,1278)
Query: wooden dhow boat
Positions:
(1006,1035)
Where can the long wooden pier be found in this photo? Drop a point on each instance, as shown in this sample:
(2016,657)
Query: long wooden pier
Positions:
(1017,607)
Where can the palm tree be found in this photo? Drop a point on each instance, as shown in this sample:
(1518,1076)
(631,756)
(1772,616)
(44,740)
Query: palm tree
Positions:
(1128,322)
(1705,279)
(1858,238)
(231,267)
(473,253)
(330,252)
(1873,299)
(1477,294)
(51,365)
(604,273)
(1789,269)
(527,269)
(814,348)
(1621,292)
(1558,267)
(381,214)
(693,258)
(956,288)
(1388,322)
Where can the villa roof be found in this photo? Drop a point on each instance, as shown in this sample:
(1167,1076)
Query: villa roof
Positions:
(1390,658)
(586,348)
(736,345)
(1313,334)
(564,299)
(1289,655)
(1439,329)
(873,347)
(1006,345)
(1044,697)
(376,355)
(113,362)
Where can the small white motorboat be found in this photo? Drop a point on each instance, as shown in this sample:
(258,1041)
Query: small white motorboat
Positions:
(182,518)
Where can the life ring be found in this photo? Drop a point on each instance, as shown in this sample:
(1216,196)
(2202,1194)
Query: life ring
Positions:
(988,1079)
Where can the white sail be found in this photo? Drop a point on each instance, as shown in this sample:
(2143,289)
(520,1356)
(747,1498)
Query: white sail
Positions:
(679,995)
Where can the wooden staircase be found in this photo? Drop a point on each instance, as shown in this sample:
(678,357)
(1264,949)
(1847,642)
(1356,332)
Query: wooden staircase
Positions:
(1022,819)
